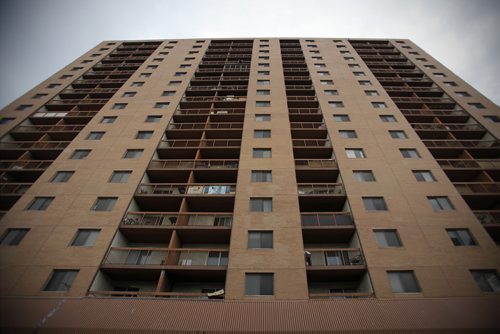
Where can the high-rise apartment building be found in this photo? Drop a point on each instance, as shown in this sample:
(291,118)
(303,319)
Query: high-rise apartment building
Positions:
(250,185)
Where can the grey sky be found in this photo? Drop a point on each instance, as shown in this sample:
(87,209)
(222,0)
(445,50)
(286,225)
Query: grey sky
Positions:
(40,37)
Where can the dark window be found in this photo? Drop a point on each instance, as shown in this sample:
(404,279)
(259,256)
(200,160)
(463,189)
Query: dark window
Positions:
(85,237)
(108,119)
(355,153)
(262,117)
(423,176)
(487,280)
(104,203)
(364,175)
(387,238)
(95,135)
(153,118)
(6,120)
(262,133)
(161,105)
(262,153)
(259,284)
(144,134)
(341,118)
(120,176)
(137,84)
(477,105)
(409,153)
(261,204)
(261,176)
(133,153)
(61,177)
(348,134)
(403,281)
(331,92)
(119,106)
(260,239)
(441,203)
(379,105)
(168,93)
(263,92)
(336,104)
(398,134)
(80,154)
(129,94)
(40,203)
(263,103)
(374,203)
(371,93)
(461,237)
(61,280)
(388,118)
(13,236)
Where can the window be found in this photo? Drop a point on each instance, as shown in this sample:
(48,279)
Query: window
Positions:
(323,73)
(371,93)
(409,153)
(477,105)
(263,65)
(348,134)
(364,175)
(263,82)
(13,236)
(95,135)
(260,239)
(104,203)
(24,106)
(153,118)
(319,65)
(189,58)
(65,76)
(40,203)
(387,238)
(450,83)
(62,177)
(263,72)
(341,118)
(120,176)
(161,105)
(144,75)
(336,104)
(54,85)
(180,74)
(133,153)
(39,96)
(259,284)
(359,74)
(374,203)
(430,66)
(355,153)
(263,92)
(157,59)
(398,134)
(264,51)
(439,75)
(129,94)
(85,238)
(264,57)
(388,118)
(317,57)
(421,59)
(331,92)
(262,133)
(262,117)
(144,135)
(462,94)
(86,61)
(403,281)
(137,84)
(152,67)
(487,280)
(349,58)
(461,237)
(168,93)
(262,176)
(262,153)
(441,203)
(264,204)
(353,66)
(61,280)
(80,154)
(263,103)
(379,105)
(492,118)
(6,120)
(424,176)
(326,82)
(365,82)
(174,83)
(119,106)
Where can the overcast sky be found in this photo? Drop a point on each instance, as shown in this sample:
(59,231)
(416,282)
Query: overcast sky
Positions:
(39,37)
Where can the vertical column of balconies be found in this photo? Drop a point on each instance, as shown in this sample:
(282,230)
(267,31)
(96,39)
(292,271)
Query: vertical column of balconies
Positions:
(33,145)
(334,261)
(465,150)
(174,240)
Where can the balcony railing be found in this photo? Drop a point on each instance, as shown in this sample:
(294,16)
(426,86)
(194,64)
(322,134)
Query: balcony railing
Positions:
(208,111)
(171,295)
(214,99)
(146,256)
(48,128)
(207,126)
(204,143)
(488,217)
(304,111)
(186,189)
(308,125)
(346,295)
(323,219)
(217,88)
(315,163)
(198,219)
(462,143)
(179,164)
(311,143)
(14,188)
(301,98)
(336,257)
(35,144)
(320,189)
(447,127)
(24,164)
(465,188)
(469,163)
(434,112)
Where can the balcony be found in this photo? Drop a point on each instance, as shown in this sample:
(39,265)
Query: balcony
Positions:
(194,164)
(312,148)
(468,188)
(35,132)
(309,130)
(10,193)
(490,219)
(462,143)
(335,262)
(468,164)
(182,189)
(320,189)
(209,148)
(24,165)
(316,164)
(327,227)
